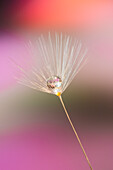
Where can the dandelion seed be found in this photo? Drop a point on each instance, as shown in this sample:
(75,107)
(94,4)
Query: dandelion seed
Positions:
(62,58)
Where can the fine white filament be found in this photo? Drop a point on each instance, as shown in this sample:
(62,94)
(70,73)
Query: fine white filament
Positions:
(60,54)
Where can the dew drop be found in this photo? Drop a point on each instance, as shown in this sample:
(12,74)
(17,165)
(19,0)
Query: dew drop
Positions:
(54,83)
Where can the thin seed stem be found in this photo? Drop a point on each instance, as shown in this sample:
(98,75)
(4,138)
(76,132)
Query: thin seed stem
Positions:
(75,132)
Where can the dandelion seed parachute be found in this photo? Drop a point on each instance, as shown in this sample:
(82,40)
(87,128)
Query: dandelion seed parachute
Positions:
(62,57)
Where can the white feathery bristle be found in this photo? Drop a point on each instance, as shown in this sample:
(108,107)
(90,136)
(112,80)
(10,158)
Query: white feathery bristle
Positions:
(59,55)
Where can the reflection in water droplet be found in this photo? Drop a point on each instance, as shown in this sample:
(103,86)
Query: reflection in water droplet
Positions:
(54,83)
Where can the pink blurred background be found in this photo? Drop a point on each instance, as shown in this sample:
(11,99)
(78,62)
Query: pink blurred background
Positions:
(34,134)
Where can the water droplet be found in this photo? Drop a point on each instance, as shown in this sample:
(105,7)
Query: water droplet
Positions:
(54,83)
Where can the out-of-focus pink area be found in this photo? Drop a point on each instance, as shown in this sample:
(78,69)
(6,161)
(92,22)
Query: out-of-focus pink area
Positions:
(64,14)
(49,147)
(12,53)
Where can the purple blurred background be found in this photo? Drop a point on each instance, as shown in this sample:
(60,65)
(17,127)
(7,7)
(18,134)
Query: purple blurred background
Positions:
(34,131)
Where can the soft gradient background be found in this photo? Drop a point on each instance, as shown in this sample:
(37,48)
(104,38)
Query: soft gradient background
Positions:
(34,131)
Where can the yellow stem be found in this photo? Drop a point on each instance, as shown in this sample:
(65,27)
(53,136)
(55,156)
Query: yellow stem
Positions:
(75,131)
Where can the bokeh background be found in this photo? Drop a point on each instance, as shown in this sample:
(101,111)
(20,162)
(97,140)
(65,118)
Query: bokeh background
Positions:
(34,131)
